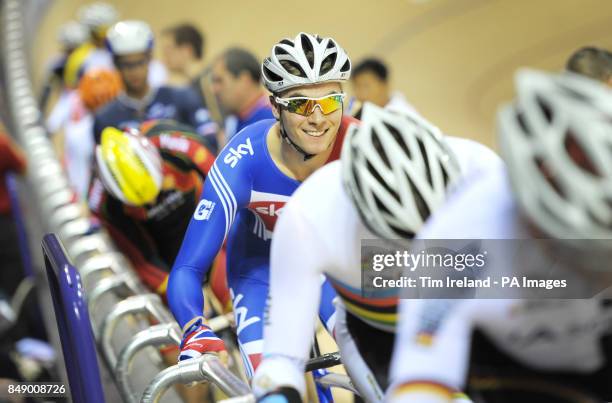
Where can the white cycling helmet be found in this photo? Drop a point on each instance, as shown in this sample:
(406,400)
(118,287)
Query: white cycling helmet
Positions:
(98,15)
(72,34)
(128,37)
(307,59)
(556,139)
(397,170)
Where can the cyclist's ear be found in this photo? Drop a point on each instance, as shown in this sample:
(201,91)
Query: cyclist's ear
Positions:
(275,108)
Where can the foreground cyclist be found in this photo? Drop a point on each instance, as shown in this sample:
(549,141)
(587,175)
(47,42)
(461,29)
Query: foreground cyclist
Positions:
(556,141)
(147,185)
(395,170)
(248,185)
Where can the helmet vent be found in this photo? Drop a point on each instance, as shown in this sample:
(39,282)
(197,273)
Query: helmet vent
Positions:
(401,232)
(328,63)
(520,118)
(270,75)
(426,159)
(546,110)
(380,180)
(280,51)
(578,155)
(398,139)
(308,50)
(548,175)
(420,203)
(293,68)
(380,149)
(346,66)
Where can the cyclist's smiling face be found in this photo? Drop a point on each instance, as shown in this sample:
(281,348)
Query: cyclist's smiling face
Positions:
(313,133)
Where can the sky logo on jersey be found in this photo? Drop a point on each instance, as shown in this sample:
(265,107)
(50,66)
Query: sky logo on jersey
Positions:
(203,210)
(272,210)
(235,154)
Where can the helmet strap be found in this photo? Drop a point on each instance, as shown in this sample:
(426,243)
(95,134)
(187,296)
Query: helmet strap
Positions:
(296,147)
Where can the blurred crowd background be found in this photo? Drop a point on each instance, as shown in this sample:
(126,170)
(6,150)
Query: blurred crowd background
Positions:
(452,59)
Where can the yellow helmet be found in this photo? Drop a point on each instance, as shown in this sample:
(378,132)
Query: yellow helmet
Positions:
(129,166)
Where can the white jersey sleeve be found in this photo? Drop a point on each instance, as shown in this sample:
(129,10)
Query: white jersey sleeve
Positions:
(474,158)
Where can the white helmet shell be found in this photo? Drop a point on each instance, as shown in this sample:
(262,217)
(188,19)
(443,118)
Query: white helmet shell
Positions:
(307,59)
(397,169)
(129,37)
(97,15)
(72,34)
(557,142)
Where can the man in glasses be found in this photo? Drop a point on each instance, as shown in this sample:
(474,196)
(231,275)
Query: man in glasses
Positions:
(131,45)
(248,186)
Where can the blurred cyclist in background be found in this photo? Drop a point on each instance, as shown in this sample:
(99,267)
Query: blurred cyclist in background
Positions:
(182,49)
(592,62)
(97,17)
(394,172)
(131,44)
(96,88)
(248,185)
(370,81)
(236,80)
(147,185)
(73,142)
(556,140)
(70,36)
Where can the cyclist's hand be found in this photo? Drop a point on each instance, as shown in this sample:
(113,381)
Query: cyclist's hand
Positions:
(199,339)
(281,395)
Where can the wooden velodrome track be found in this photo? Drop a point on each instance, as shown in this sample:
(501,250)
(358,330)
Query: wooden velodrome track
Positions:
(454,59)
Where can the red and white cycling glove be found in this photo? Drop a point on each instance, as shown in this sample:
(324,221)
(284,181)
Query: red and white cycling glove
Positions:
(198,339)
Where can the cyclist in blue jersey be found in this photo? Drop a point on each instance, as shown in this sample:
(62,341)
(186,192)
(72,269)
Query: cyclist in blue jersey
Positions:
(248,185)
(131,44)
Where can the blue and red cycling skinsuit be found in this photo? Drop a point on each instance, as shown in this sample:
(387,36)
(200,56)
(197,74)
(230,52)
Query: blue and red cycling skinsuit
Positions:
(242,198)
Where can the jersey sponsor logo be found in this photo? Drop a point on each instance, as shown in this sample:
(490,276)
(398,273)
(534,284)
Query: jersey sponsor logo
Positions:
(242,315)
(168,204)
(272,210)
(95,195)
(161,111)
(235,154)
(204,210)
(174,143)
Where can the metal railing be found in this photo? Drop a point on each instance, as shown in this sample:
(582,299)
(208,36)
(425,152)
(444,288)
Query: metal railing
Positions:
(72,317)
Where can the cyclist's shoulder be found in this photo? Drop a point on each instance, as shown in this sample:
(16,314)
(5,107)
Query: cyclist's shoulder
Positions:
(327,181)
(177,95)
(251,139)
(109,112)
(246,154)
(346,121)
(482,207)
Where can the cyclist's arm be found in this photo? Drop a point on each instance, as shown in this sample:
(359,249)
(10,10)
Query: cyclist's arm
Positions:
(296,263)
(130,237)
(226,190)
(431,354)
